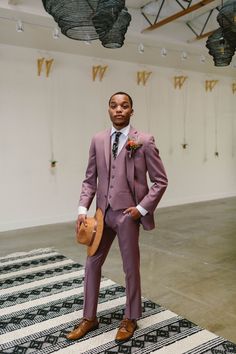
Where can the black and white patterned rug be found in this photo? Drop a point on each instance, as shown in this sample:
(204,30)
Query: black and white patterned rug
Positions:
(41,300)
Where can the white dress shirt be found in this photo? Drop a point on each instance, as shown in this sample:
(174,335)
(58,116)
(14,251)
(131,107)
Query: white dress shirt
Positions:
(122,140)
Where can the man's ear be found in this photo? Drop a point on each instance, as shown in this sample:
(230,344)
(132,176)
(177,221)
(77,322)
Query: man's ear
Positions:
(132,112)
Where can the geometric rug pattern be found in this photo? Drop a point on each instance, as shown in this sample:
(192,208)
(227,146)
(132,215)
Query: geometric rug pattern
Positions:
(41,300)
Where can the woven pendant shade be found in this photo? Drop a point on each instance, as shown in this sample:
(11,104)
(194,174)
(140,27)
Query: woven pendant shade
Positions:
(230,36)
(106,15)
(220,48)
(227,15)
(115,38)
(88,20)
(74,17)
(227,21)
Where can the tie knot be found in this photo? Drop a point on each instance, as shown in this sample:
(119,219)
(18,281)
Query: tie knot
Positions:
(117,134)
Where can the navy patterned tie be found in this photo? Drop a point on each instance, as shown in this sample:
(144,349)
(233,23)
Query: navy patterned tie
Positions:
(116,144)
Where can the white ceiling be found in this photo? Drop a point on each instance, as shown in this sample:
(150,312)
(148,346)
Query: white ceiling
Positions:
(175,36)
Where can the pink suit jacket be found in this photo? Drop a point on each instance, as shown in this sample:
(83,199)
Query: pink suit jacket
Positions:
(145,160)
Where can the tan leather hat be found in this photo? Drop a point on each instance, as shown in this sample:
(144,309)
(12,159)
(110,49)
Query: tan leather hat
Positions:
(91,235)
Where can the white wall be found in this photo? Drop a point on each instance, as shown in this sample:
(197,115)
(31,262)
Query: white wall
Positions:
(61,113)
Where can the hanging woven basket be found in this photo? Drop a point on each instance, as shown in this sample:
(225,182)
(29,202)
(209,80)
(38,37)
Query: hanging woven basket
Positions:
(230,36)
(106,15)
(220,48)
(227,15)
(74,17)
(227,21)
(115,38)
(87,20)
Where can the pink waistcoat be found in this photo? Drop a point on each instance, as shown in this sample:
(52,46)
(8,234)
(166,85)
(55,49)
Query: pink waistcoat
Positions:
(119,195)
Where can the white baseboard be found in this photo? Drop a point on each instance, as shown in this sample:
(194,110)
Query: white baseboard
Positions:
(14,225)
(194,199)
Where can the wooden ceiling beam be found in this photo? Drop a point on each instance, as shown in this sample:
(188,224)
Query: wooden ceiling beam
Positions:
(201,36)
(178,14)
(207,34)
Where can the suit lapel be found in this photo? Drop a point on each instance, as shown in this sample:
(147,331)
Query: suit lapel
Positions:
(107,148)
(130,164)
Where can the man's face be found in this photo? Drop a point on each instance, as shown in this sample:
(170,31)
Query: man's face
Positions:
(120,111)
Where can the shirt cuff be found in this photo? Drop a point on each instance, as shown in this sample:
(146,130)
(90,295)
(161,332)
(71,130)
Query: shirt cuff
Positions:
(142,211)
(82,210)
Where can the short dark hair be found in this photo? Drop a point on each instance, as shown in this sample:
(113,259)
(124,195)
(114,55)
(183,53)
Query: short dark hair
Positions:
(122,93)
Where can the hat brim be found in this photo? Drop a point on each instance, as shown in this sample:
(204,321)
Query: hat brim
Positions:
(100,225)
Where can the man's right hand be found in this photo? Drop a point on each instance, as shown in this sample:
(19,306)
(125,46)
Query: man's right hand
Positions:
(82,219)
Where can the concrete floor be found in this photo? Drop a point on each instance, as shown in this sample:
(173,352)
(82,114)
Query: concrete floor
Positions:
(188,261)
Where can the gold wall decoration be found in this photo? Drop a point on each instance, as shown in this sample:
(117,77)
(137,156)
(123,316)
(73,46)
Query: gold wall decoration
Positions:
(142,77)
(179,81)
(40,62)
(234,87)
(210,84)
(99,71)
(49,63)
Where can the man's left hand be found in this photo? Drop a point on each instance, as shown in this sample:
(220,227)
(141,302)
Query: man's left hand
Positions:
(133,212)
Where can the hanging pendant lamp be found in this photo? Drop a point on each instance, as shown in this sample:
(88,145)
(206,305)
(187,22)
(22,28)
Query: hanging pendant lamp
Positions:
(220,48)
(88,20)
(116,36)
(227,21)
(227,15)
(74,17)
(106,15)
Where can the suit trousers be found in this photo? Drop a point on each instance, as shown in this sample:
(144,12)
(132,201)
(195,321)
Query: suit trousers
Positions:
(127,231)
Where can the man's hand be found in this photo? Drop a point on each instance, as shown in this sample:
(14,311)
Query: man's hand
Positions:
(82,219)
(133,212)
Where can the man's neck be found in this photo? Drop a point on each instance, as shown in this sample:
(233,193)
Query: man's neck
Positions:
(125,130)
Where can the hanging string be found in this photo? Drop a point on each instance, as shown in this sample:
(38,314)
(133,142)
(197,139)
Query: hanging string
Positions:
(51,104)
(205,112)
(216,108)
(233,126)
(171,115)
(185,110)
(148,112)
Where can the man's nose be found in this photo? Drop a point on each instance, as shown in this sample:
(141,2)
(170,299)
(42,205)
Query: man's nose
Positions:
(118,109)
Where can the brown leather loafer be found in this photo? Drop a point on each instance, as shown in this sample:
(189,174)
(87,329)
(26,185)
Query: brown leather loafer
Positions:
(126,330)
(83,328)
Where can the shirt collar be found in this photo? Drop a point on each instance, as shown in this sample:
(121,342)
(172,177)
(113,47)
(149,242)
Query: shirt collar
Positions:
(124,130)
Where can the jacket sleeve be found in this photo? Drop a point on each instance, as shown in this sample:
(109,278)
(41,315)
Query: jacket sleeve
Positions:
(89,185)
(157,175)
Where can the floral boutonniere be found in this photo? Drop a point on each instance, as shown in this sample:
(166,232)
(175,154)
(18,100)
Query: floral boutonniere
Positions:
(132,145)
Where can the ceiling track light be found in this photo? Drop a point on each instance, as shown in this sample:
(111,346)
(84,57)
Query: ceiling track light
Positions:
(163,52)
(56,33)
(141,48)
(184,56)
(19,26)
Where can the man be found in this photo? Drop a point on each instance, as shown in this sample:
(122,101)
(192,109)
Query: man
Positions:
(119,160)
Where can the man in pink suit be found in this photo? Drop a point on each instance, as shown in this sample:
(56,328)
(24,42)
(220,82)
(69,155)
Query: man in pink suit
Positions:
(119,160)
